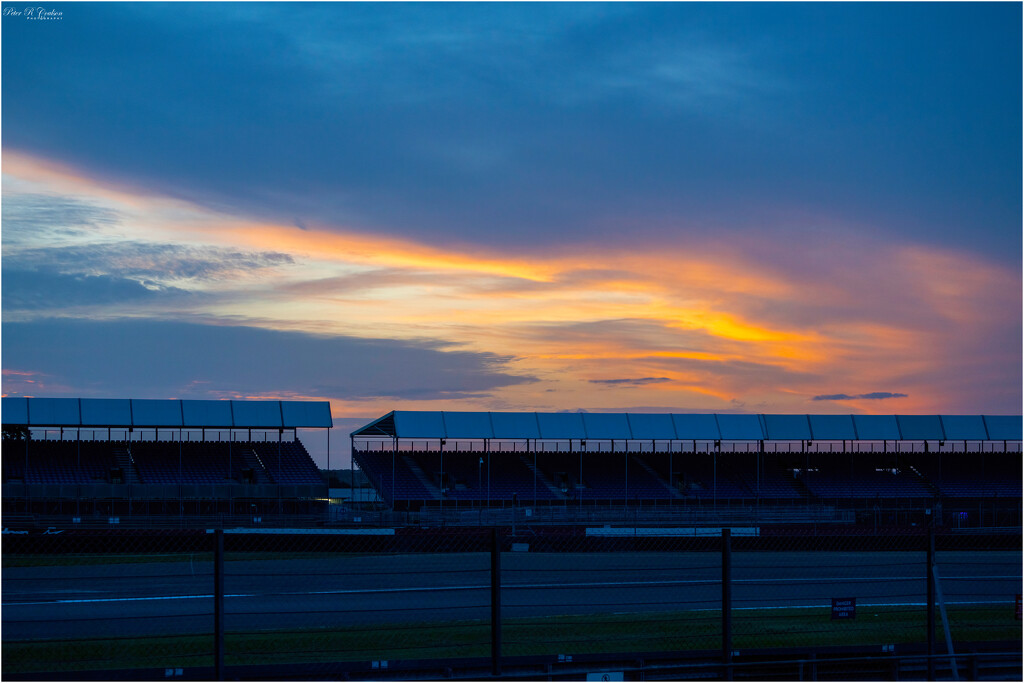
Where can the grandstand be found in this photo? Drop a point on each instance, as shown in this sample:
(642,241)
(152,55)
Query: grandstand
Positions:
(960,463)
(171,460)
(158,459)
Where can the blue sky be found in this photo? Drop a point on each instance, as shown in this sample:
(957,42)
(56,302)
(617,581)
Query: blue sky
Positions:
(522,206)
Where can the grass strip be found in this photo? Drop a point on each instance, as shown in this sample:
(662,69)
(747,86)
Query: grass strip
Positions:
(11,561)
(66,560)
(575,634)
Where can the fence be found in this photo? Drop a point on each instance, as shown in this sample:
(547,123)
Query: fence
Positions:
(474,603)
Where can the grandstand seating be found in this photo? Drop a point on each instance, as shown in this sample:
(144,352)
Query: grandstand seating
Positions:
(885,476)
(704,476)
(166,462)
(467,479)
(290,464)
(512,474)
(59,462)
(971,475)
(771,481)
(697,476)
(378,466)
(155,462)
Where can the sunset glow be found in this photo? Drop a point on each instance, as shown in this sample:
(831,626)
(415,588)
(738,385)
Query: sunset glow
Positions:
(740,241)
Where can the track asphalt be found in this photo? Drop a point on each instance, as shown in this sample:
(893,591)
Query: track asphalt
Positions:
(164,598)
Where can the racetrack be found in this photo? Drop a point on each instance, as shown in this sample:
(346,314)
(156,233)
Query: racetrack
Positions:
(176,597)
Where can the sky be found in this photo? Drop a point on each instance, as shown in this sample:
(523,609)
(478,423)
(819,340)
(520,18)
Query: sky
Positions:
(668,207)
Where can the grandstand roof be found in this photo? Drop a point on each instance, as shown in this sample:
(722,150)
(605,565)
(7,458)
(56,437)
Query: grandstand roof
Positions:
(174,413)
(406,424)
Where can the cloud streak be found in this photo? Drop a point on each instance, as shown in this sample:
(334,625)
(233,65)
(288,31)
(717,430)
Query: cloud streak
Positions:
(40,292)
(168,359)
(720,321)
(549,124)
(873,396)
(505,207)
(633,382)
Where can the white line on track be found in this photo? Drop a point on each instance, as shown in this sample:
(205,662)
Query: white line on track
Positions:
(522,586)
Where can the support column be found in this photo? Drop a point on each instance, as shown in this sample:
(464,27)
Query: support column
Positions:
(218,604)
(930,564)
(727,602)
(579,482)
(495,602)
(181,502)
(626,462)
(280,436)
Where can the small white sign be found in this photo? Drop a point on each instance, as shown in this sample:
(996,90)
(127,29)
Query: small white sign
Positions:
(606,676)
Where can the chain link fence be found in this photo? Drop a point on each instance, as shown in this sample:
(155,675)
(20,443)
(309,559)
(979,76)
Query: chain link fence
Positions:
(246,603)
(106,601)
(368,595)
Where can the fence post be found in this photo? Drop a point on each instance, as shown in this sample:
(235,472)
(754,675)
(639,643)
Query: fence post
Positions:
(495,602)
(931,603)
(218,604)
(727,602)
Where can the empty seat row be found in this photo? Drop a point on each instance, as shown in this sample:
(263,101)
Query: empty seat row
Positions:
(157,462)
(421,475)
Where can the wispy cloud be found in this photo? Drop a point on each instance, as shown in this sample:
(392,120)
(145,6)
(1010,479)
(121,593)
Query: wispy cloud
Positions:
(713,321)
(35,218)
(874,395)
(169,359)
(40,292)
(149,261)
(637,382)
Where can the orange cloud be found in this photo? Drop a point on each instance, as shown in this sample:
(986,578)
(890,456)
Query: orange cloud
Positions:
(733,317)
